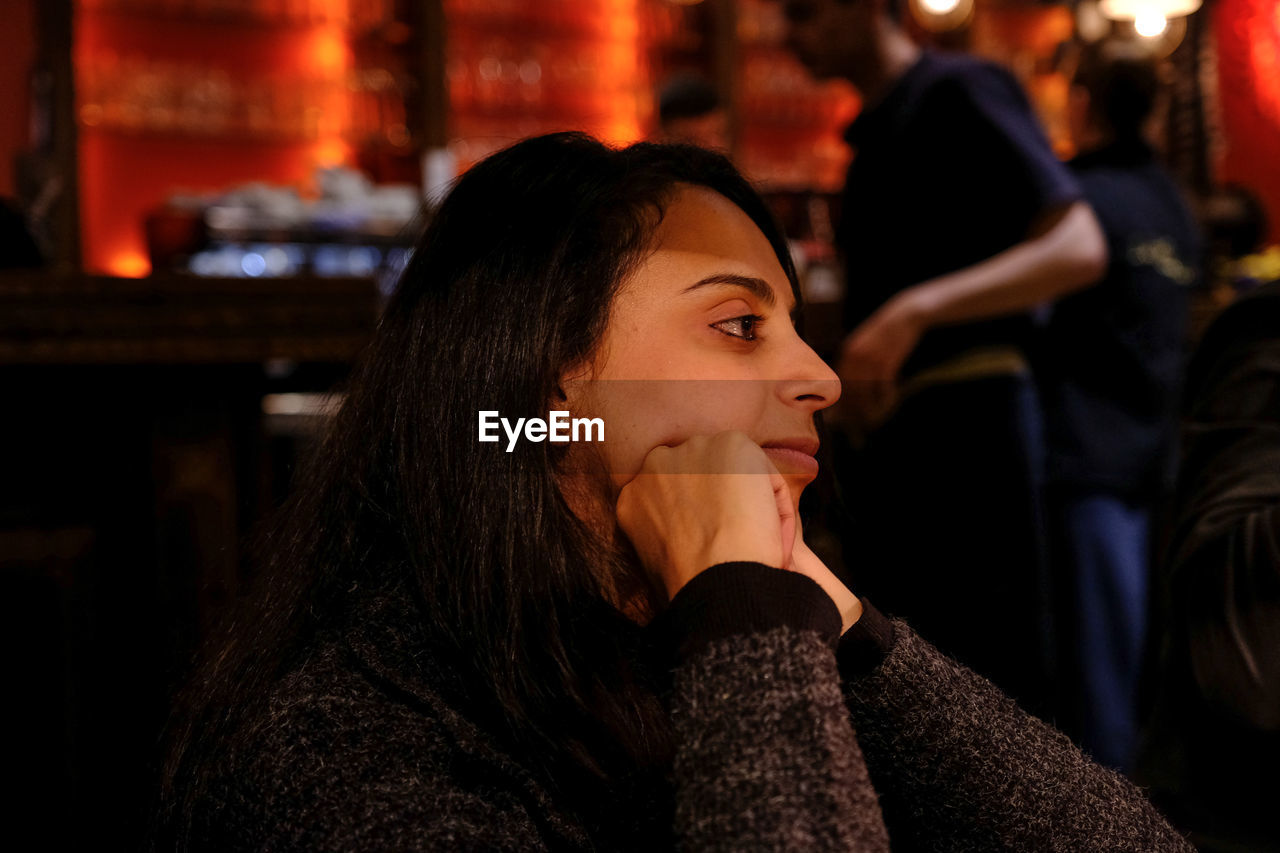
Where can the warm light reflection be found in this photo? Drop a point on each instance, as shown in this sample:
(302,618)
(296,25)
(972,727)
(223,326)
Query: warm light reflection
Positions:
(1131,10)
(129,265)
(1149,23)
(328,51)
(329,58)
(331,152)
(940,7)
(940,16)
(618,61)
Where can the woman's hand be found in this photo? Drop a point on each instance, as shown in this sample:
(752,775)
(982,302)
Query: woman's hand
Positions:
(718,499)
(709,500)
(804,561)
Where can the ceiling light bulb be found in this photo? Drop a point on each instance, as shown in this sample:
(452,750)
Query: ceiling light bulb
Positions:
(1149,23)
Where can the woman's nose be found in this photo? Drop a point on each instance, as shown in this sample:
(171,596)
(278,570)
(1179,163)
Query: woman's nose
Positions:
(808,381)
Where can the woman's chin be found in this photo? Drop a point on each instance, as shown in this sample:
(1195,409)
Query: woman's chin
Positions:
(796,484)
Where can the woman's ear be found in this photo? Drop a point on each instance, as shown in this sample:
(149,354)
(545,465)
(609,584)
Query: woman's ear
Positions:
(572,385)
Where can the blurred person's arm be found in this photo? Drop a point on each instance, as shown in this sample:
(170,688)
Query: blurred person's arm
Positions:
(1067,251)
(992,133)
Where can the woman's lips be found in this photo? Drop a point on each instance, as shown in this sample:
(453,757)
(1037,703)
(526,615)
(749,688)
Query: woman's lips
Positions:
(792,460)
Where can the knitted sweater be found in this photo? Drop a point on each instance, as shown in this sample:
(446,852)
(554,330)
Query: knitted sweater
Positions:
(363,747)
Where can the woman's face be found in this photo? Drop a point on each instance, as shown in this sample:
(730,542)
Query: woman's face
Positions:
(701,340)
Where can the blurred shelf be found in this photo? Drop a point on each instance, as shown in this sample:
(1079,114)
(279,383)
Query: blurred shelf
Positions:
(171,135)
(799,119)
(525,20)
(179,18)
(172,319)
(559,113)
(246,14)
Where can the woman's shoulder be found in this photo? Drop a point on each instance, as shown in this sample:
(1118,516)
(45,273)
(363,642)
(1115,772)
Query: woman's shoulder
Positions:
(345,755)
(375,692)
(332,721)
(336,701)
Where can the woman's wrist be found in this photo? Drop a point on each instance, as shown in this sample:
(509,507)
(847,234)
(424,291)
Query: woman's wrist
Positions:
(744,598)
(807,563)
(850,613)
(678,577)
(865,645)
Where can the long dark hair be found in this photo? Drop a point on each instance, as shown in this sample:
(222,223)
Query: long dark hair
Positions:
(509,287)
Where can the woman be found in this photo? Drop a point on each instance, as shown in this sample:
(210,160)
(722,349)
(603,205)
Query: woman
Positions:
(456,646)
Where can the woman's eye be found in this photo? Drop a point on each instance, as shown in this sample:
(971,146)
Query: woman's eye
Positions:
(739,327)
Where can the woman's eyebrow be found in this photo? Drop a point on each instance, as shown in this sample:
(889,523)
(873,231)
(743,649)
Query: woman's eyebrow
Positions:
(758,286)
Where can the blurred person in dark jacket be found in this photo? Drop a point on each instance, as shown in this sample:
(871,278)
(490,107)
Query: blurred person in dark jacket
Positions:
(1109,367)
(957,219)
(1210,753)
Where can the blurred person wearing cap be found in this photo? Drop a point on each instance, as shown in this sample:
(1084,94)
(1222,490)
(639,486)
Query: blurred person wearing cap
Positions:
(957,220)
(690,111)
(1110,365)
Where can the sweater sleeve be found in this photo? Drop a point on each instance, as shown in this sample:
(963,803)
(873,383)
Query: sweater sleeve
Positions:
(960,767)
(766,758)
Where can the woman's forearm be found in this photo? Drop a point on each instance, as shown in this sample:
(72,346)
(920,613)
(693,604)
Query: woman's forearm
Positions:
(766,757)
(959,766)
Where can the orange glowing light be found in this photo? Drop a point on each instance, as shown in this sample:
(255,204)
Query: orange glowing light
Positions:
(618,59)
(128,264)
(330,58)
(327,51)
(331,152)
(622,131)
(125,176)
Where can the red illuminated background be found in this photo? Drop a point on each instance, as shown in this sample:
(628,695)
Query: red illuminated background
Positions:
(1248,48)
(131,160)
(133,155)
(17,52)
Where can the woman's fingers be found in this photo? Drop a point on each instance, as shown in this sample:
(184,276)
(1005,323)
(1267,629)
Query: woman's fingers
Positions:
(709,500)
(787,519)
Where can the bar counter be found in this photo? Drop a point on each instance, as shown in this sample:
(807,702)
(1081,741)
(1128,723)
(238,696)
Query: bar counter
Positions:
(136,466)
(67,320)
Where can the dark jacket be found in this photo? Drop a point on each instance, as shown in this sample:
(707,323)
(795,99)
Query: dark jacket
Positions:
(367,747)
(1212,751)
(951,167)
(1110,359)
